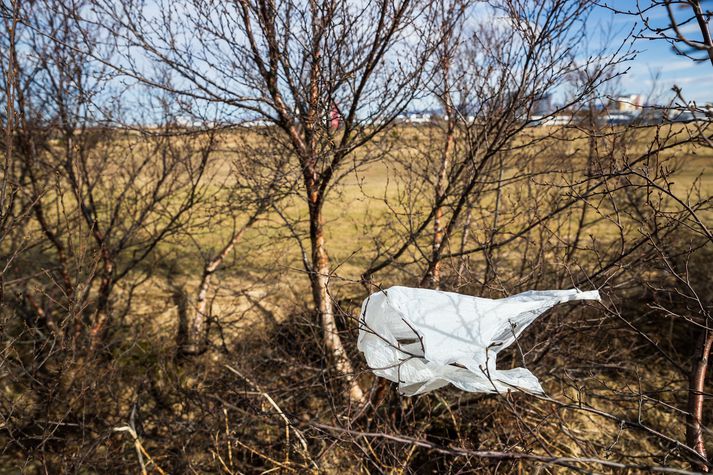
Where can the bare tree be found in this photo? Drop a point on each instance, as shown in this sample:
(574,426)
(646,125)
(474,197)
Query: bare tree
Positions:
(684,18)
(116,193)
(491,80)
(194,142)
(330,76)
(9,216)
(250,181)
(686,27)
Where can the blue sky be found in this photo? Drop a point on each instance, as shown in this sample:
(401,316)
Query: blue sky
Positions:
(656,58)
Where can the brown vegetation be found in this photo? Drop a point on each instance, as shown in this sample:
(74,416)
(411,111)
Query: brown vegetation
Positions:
(180,290)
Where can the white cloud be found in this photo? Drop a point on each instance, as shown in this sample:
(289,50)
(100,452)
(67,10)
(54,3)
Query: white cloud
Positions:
(672,66)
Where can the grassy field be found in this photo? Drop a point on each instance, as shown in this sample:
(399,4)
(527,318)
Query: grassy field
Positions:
(361,209)
(263,310)
(351,212)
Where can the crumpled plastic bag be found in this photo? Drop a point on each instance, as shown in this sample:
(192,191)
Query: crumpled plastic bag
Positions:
(425,339)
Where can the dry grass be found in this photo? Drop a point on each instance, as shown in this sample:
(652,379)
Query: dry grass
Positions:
(198,416)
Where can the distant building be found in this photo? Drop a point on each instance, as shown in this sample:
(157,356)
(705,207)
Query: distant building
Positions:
(543,105)
(627,103)
(557,120)
(616,118)
(257,123)
(419,117)
(679,115)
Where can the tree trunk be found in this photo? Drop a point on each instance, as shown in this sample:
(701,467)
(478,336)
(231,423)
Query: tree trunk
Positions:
(197,334)
(490,273)
(433,276)
(696,387)
(197,330)
(319,279)
(463,242)
(102,313)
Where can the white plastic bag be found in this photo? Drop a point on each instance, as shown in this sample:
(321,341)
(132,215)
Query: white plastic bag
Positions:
(424,339)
